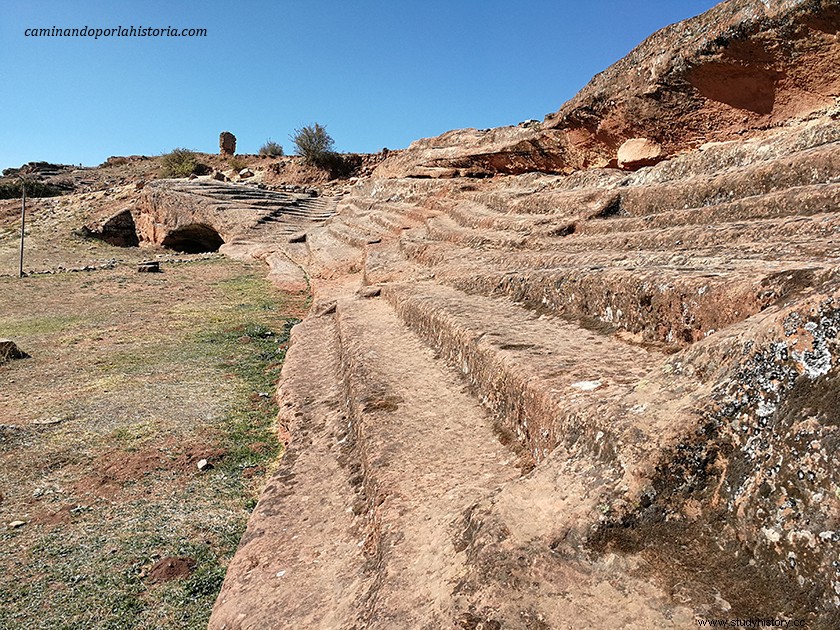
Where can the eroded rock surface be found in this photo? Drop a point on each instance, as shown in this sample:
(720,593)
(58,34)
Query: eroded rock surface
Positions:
(117,228)
(9,351)
(591,398)
(638,152)
(227,143)
(203,214)
(743,67)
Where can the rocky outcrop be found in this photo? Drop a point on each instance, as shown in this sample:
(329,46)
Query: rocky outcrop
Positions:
(655,353)
(465,152)
(638,152)
(117,228)
(9,351)
(593,395)
(720,76)
(227,143)
(203,214)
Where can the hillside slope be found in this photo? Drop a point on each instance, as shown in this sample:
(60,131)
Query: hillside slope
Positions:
(568,394)
(742,67)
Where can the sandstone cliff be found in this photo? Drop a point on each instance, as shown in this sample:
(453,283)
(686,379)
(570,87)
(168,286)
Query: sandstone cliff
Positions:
(569,394)
(743,67)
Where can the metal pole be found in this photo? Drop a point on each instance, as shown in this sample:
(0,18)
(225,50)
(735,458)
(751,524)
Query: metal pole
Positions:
(22,223)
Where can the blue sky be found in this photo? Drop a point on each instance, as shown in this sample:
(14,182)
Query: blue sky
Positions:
(376,73)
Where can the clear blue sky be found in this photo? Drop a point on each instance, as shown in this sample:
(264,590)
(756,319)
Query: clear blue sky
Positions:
(376,73)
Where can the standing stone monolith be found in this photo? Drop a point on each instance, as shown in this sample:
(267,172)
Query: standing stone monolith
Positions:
(227,143)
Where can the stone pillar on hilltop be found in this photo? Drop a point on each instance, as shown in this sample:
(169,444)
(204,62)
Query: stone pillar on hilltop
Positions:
(227,143)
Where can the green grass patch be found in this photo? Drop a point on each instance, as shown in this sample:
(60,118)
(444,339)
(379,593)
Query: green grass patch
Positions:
(254,354)
(38,325)
(147,375)
(110,590)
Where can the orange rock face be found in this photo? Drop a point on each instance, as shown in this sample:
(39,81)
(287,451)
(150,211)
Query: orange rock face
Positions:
(720,76)
(638,152)
(227,143)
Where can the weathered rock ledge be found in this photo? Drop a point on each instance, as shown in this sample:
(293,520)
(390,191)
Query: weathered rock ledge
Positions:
(570,394)
(742,68)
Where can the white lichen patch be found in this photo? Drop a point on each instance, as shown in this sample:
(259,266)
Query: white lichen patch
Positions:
(587,386)
(817,361)
(771,534)
(765,408)
(814,364)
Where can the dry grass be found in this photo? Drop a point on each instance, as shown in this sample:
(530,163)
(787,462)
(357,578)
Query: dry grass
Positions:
(50,239)
(133,379)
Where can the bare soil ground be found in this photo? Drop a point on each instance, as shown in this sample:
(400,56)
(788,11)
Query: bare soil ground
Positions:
(106,520)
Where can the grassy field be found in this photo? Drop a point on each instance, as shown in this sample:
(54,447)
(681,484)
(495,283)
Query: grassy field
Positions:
(134,379)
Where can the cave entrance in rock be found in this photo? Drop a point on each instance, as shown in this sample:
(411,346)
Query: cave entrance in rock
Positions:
(195,238)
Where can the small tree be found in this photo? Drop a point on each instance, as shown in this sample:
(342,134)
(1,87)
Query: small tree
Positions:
(180,163)
(271,148)
(236,163)
(314,144)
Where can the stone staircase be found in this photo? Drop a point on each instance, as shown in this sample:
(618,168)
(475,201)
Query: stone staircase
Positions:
(291,218)
(242,221)
(239,213)
(607,399)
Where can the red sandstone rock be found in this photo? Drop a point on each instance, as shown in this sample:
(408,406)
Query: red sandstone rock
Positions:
(658,348)
(657,351)
(117,228)
(638,152)
(716,77)
(227,143)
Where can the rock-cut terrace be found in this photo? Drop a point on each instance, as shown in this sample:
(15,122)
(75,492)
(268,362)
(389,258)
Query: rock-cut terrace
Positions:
(583,372)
